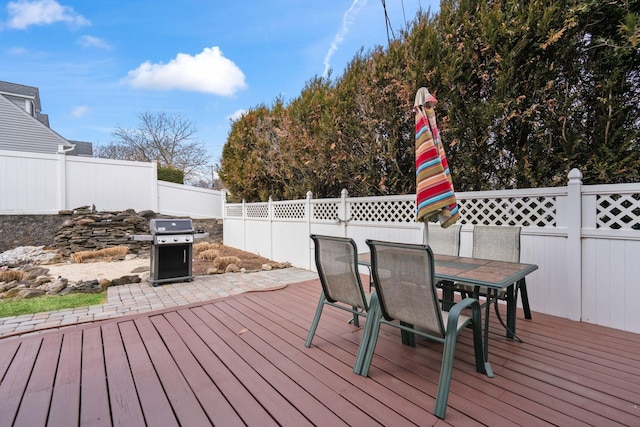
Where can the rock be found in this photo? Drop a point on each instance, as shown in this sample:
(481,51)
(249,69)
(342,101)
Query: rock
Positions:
(213,271)
(55,287)
(88,287)
(5,286)
(27,254)
(140,269)
(41,280)
(104,284)
(14,292)
(266,267)
(124,280)
(35,272)
(29,293)
(281,264)
(232,268)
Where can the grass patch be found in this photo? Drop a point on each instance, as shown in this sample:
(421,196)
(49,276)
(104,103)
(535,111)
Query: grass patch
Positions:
(49,303)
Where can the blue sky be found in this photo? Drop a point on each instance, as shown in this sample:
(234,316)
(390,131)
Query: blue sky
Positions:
(98,64)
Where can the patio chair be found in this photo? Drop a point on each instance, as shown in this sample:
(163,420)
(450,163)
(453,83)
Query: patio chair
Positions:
(337,263)
(445,241)
(501,244)
(406,292)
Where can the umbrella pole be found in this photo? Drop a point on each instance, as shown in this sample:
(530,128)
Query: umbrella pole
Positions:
(425,237)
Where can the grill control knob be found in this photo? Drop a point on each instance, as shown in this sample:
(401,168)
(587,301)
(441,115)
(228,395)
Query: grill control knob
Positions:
(175,239)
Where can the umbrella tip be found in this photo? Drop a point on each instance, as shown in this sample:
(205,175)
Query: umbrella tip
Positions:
(423,96)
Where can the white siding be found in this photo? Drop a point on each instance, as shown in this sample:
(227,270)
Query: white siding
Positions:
(20,131)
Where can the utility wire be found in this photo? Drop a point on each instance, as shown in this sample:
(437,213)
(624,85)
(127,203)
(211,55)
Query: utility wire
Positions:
(388,22)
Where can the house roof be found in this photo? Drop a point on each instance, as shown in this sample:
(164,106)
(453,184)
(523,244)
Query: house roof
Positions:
(82,148)
(20,127)
(20,131)
(26,91)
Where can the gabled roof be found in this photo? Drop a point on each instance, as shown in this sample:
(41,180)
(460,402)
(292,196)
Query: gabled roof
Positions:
(26,91)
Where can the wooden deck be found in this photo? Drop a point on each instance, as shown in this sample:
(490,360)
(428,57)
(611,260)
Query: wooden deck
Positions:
(242,361)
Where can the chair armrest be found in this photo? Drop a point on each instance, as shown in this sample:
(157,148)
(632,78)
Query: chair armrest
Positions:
(454,312)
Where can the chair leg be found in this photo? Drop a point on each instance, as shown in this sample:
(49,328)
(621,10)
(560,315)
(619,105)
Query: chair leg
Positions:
(316,319)
(364,341)
(369,339)
(356,320)
(444,383)
(482,364)
(371,347)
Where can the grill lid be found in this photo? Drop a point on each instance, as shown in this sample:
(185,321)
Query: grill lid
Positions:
(171,226)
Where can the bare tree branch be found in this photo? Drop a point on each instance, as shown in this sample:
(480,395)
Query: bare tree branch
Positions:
(167,139)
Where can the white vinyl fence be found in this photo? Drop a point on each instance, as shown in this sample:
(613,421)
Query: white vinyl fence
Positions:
(33,183)
(584,239)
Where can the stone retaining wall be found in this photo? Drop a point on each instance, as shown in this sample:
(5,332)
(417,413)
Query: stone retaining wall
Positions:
(74,231)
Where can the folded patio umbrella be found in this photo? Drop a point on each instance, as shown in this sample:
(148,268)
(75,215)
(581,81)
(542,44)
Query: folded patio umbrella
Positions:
(435,197)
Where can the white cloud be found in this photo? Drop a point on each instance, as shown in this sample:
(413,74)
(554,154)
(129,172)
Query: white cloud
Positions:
(347,20)
(23,13)
(90,41)
(80,111)
(236,115)
(208,71)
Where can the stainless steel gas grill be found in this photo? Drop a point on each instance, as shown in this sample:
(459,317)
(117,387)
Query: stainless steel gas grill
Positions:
(171,249)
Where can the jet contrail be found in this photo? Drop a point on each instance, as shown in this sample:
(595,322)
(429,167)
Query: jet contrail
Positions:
(347,19)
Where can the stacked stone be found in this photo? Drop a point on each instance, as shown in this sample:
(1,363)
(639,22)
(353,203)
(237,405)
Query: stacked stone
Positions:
(99,230)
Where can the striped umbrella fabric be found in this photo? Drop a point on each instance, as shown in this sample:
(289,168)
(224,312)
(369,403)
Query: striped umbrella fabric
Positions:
(435,196)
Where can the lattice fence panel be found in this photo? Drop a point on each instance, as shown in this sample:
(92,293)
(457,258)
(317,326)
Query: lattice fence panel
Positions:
(515,211)
(325,211)
(258,210)
(618,211)
(289,211)
(233,211)
(387,211)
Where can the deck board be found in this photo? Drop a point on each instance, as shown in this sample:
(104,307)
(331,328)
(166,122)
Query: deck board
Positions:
(242,361)
(186,407)
(125,405)
(155,404)
(94,403)
(14,382)
(65,399)
(34,407)
(233,390)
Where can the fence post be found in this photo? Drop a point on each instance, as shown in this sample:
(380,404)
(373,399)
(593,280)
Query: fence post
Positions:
(270,219)
(155,203)
(223,204)
(62,180)
(244,225)
(308,215)
(574,243)
(344,211)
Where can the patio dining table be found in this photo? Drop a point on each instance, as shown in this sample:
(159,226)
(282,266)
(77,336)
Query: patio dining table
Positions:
(496,276)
